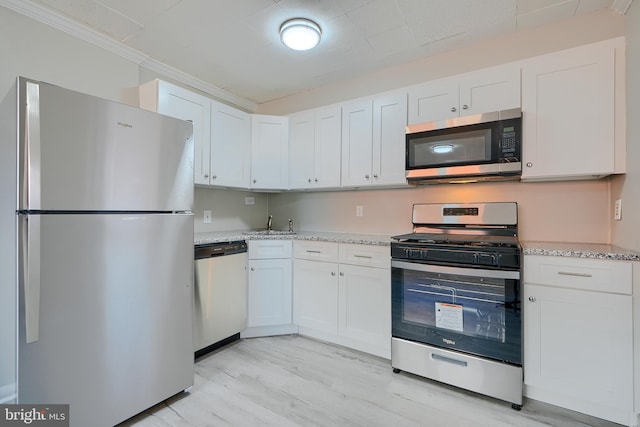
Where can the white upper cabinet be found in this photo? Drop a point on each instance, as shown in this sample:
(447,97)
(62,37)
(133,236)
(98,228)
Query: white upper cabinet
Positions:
(269,152)
(389,123)
(568,105)
(230,164)
(314,148)
(373,140)
(482,91)
(222,134)
(174,101)
(357,143)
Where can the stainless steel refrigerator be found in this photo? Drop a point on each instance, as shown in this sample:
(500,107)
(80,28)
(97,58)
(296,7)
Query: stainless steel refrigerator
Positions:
(104,236)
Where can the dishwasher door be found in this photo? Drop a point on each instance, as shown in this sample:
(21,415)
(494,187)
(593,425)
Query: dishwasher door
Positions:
(220,299)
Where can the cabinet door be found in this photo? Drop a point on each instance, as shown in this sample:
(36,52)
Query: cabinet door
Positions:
(315,295)
(568,113)
(269,292)
(269,152)
(328,146)
(301,149)
(180,103)
(578,347)
(230,146)
(357,138)
(389,122)
(436,100)
(489,90)
(364,308)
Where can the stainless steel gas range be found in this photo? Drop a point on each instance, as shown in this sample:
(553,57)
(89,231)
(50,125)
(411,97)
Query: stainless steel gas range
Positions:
(456,293)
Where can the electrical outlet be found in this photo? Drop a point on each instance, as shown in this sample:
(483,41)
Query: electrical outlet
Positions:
(249,201)
(617,212)
(206,217)
(359,210)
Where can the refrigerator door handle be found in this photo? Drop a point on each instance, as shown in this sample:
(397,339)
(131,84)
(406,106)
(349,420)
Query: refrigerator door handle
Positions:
(30,193)
(31,275)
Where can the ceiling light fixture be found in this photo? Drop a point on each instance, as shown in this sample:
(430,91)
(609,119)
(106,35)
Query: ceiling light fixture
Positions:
(300,34)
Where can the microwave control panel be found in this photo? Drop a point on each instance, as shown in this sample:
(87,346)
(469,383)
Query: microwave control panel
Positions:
(510,140)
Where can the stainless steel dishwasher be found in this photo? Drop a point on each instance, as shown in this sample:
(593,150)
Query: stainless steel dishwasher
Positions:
(220,300)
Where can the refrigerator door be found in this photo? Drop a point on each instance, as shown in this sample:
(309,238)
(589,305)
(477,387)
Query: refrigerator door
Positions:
(82,153)
(114,313)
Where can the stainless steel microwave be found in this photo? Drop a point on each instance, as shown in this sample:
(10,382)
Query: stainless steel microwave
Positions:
(465,149)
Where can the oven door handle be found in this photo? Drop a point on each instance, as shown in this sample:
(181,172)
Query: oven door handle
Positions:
(460,271)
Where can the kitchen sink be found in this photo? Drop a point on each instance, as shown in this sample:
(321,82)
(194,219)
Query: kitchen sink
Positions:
(269,233)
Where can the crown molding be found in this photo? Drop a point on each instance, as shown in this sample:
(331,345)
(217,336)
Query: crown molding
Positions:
(621,6)
(82,32)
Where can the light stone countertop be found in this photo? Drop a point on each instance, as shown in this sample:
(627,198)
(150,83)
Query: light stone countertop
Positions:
(229,236)
(579,250)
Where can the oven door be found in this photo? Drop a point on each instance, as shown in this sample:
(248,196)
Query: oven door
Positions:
(471,310)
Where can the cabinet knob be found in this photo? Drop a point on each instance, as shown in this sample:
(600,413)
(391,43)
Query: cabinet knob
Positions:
(341,273)
(309,180)
(214,176)
(254,181)
(316,180)
(366,176)
(529,164)
(375,175)
(206,177)
(333,273)
(454,109)
(465,107)
(532,299)
(252,269)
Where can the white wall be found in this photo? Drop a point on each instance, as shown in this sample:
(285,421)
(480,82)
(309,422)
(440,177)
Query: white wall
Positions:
(37,51)
(229,211)
(561,211)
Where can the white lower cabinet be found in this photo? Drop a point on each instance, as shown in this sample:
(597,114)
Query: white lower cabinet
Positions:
(578,342)
(315,296)
(342,294)
(269,289)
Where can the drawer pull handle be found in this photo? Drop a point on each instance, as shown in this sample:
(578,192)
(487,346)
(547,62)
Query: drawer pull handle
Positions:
(363,256)
(449,360)
(313,252)
(568,273)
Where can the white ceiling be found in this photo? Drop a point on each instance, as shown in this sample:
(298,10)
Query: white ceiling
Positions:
(234,45)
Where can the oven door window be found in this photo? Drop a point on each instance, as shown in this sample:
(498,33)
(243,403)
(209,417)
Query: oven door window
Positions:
(475,313)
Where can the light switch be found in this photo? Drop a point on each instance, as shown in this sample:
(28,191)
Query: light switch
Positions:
(206,218)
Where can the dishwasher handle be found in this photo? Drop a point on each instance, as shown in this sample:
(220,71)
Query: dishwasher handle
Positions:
(211,250)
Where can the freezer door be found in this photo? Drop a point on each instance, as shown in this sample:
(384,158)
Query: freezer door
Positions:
(82,153)
(114,314)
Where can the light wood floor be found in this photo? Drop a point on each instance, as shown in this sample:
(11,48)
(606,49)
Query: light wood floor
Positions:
(295,381)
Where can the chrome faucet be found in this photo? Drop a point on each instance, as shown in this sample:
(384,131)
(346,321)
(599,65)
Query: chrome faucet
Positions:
(290,225)
(269,222)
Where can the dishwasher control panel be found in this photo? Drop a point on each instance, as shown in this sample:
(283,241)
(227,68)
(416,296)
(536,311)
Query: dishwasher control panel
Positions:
(210,250)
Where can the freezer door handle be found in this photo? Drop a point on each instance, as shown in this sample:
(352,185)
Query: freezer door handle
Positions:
(30,192)
(31,275)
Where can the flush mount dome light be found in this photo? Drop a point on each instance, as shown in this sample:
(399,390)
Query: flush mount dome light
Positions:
(442,149)
(300,34)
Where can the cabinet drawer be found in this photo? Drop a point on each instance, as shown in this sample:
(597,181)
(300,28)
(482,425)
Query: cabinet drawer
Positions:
(366,255)
(315,251)
(269,249)
(578,273)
